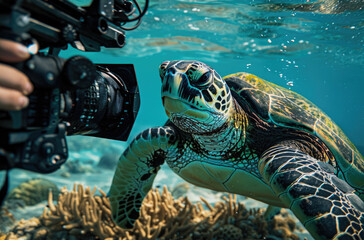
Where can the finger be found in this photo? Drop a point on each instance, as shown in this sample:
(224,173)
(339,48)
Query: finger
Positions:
(12,52)
(12,100)
(12,78)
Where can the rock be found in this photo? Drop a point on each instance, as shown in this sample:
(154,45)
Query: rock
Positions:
(76,166)
(230,232)
(109,160)
(65,174)
(180,190)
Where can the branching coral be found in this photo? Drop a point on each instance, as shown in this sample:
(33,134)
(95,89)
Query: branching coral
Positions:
(81,215)
(80,212)
(32,192)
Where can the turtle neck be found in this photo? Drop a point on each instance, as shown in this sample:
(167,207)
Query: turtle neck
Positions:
(229,137)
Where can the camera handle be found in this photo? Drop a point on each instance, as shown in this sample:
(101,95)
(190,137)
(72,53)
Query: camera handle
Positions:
(51,146)
(4,188)
(5,159)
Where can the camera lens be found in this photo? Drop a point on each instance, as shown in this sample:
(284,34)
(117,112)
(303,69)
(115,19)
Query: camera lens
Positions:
(107,108)
(120,39)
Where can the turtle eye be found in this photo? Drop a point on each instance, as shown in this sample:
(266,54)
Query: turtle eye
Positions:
(203,80)
(191,72)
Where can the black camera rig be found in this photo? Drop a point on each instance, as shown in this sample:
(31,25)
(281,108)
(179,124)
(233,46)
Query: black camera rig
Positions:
(57,23)
(71,96)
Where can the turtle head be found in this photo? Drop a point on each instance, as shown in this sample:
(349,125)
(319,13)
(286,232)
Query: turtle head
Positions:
(195,97)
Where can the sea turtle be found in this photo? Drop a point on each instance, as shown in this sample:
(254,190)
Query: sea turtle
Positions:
(244,135)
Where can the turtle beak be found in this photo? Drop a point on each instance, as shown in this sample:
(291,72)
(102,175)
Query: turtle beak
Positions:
(172,105)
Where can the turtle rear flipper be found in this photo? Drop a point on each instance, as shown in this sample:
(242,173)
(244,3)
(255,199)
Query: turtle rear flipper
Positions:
(136,171)
(326,205)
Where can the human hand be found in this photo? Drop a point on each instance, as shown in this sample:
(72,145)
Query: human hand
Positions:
(14,85)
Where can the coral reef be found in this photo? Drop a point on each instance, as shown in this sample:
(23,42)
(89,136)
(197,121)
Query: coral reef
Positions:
(30,193)
(81,215)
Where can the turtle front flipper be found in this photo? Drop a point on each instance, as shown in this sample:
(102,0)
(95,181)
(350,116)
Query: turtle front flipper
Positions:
(326,205)
(135,172)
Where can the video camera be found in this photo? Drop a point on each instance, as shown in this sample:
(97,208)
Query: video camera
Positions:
(71,96)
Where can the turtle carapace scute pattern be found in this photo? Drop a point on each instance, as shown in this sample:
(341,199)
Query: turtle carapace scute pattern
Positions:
(244,135)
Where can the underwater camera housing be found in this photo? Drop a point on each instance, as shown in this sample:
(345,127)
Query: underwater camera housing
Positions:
(71,96)
(103,104)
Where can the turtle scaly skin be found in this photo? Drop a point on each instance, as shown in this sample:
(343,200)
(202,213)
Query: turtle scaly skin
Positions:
(247,136)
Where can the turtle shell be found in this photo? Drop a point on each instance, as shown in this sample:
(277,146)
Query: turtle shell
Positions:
(289,109)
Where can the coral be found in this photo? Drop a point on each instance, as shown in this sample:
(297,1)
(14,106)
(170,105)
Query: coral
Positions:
(24,228)
(78,214)
(81,215)
(6,219)
(31,192)
(250,222)
(283,226)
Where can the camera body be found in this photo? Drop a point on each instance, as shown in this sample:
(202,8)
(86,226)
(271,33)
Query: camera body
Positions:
(71,96)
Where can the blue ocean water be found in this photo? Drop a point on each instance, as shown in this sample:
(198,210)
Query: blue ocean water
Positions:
(312,47)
